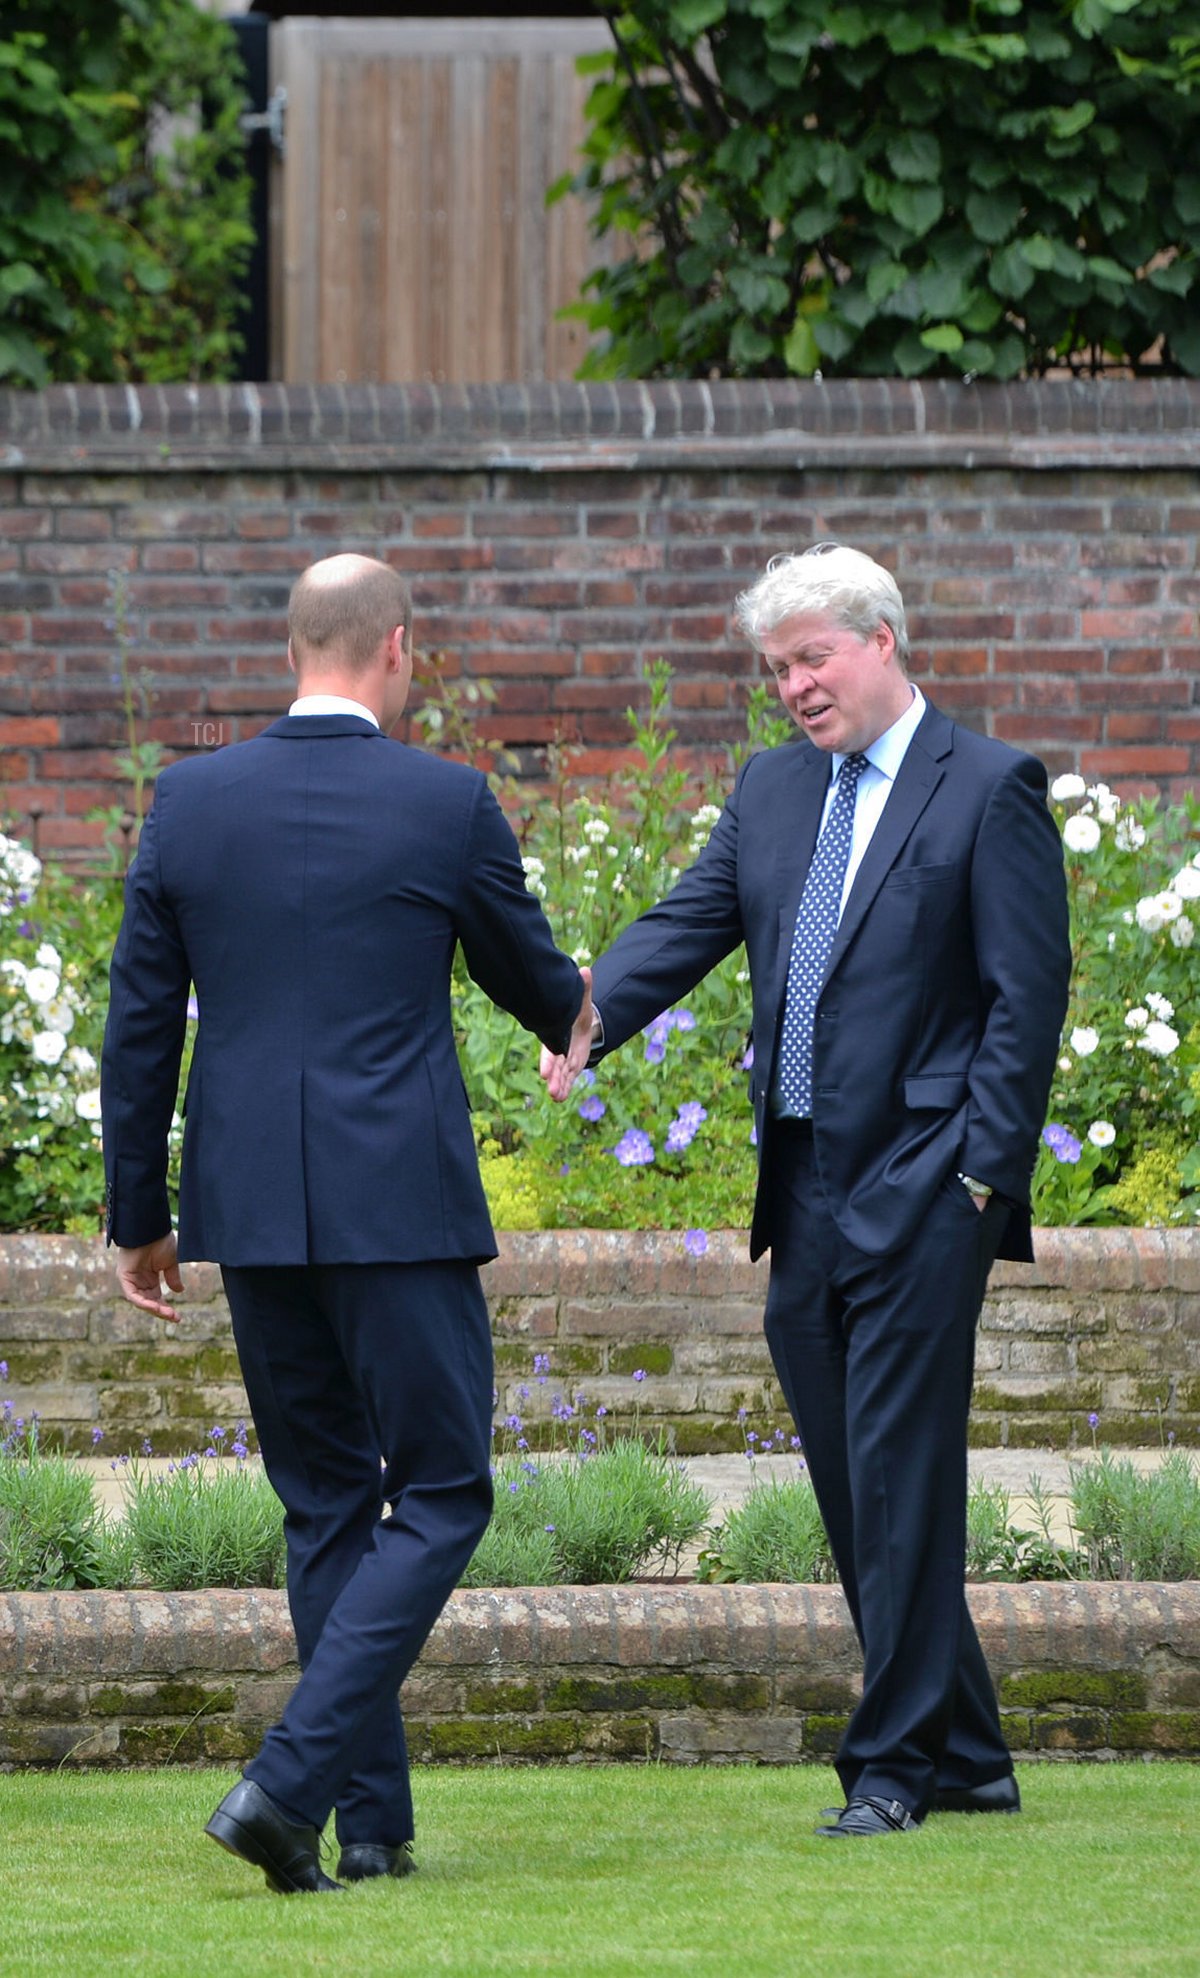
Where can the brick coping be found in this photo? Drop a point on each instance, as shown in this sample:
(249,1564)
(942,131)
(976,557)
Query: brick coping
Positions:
(533,1263)
(784,424)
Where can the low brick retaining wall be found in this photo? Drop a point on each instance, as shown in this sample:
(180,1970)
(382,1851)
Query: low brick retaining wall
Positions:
(682,1673)
(1106,1321)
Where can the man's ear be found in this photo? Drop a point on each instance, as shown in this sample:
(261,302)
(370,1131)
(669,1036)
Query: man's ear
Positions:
(291,658)
(398,648)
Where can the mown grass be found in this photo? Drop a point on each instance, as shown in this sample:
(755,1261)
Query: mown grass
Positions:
(598,1871)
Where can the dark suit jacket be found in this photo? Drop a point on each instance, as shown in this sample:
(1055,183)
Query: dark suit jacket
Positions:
(313,883)
(942,1007)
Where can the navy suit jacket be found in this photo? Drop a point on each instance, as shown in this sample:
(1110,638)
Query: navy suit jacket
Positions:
(314,883)
(941,1011)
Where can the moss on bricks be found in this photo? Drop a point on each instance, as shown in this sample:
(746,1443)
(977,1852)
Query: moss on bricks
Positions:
(1149,1730)
(474,1739)
(161,1744)
(823,1694)
(1044,1431)
(160,1700)
(822,1732)
(1076,1730)
(654,1359)
(655,1692)
(694,1436)
(1017,1730)
(495,1699)
(1040,1689)
(230,1743)
(985,1432)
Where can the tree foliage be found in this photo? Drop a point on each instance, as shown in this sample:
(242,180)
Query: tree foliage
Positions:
(124,205)
(982,187)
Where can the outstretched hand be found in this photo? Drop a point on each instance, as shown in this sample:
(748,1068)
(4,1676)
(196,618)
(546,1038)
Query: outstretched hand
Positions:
(559,1071)
(139,1274)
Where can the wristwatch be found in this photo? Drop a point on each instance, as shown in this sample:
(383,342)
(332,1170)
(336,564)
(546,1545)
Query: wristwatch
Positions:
(981,1188)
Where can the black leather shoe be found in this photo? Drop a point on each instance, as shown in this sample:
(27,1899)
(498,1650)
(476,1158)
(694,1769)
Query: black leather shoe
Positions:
(250,1825)
(362,1860)
(997,1796)
(860,1818)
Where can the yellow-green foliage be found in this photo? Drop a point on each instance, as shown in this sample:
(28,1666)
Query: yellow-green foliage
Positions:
(514,1199)
(1149,1189)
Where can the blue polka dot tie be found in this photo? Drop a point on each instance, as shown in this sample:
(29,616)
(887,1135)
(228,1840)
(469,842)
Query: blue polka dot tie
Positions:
(816,925)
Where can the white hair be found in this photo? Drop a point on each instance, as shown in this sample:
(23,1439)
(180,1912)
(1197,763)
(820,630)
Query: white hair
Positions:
(831,579)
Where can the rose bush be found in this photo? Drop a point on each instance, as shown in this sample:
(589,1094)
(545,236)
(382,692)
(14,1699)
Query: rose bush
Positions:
(661,1135)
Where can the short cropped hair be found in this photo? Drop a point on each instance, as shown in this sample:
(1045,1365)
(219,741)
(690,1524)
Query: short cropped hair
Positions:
(343,608)
(831,579)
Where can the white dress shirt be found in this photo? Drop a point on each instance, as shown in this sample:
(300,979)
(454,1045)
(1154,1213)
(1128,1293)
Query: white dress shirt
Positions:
(331,704)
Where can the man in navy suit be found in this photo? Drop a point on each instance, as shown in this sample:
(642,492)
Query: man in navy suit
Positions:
(314,884)
(898,882)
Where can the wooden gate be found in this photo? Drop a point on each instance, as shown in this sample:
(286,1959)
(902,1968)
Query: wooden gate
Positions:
(410,236)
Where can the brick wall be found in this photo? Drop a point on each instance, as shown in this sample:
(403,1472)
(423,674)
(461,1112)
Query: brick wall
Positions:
(681,1674)
(560,538)
(1107,1321)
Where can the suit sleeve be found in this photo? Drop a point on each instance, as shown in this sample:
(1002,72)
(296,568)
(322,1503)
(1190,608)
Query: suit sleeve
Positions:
(668,949)
(506,938)
(143,1044)
(1023,953)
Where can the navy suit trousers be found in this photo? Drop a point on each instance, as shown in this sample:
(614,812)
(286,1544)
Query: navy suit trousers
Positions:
(370,1385)
(875,1356)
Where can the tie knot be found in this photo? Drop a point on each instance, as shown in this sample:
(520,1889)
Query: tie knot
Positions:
(852,768)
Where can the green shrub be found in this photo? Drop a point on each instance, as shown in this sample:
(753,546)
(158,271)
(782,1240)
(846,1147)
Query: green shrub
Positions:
(204,1522)
(124,228)
(877,189)
(52,1534)
(776,1534)
(997,1549)
(1137,1525)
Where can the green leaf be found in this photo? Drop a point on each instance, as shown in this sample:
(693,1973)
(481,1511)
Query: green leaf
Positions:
(692,17)
(834,340)
(993,215)
(695,266)
(982,313)
(1109,271)
(811,221)
(800,352)
(917,207)
(943,337)
(1176,277)
(1186,194)
(18,279)
(1010,273)
(884,278)
(942,292)
(749,347)
(915,155)
(758,292)
(913,356)
(1038,250)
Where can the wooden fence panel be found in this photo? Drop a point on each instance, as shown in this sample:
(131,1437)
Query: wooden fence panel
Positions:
(411,240)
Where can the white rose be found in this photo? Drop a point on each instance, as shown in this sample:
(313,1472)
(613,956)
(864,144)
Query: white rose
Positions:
(48,957)
(596,830)
(1081,834)
(1065,789)
(1183,932)
(1150,917)
(1130,835)
(1160,1006)
(1136,1018)
(1159,1039)
(1102,1133)
(48,1046)
(17,970)
(1084,1040)
(41,985)
(81,1061)
(59,1015)
(87,1105)
(1066,1064)
(1107,805)
(1187,883)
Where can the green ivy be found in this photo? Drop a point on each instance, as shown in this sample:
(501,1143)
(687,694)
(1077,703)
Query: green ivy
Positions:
(982,189)
(124,209)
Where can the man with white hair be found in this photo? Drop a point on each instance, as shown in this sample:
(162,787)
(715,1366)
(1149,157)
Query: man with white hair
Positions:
(898,882)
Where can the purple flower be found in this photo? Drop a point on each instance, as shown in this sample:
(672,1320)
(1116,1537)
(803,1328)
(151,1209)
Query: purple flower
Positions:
(216,1435)
(1062,1143)
(26,930)
(691,1113)
(239,1449)
(97,1436)
(541,1364)
(748,1060)
(147,1446)
(741,1414)
(1093,1420)
(601,1413)
(3,1369)
(586,1077)
(548,1528)
(634,1149)
(639,1373)
(695,1242)
(592,1108)
(679,1136)
(754,1136)
(514,1424)
(193,1008)
(656,1050)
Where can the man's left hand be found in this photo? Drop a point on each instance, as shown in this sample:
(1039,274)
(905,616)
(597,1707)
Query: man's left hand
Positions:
(140,1271)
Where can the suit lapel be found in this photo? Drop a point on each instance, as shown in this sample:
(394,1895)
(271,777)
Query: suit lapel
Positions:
(919,775)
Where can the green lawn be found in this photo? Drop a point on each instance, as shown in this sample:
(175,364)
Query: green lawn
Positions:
(627,1870)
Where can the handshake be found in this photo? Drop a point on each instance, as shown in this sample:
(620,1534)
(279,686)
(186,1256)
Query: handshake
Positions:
(561,1070)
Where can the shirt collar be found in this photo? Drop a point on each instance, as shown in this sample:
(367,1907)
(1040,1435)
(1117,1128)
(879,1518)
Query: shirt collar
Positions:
(331,704)
(888,750)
